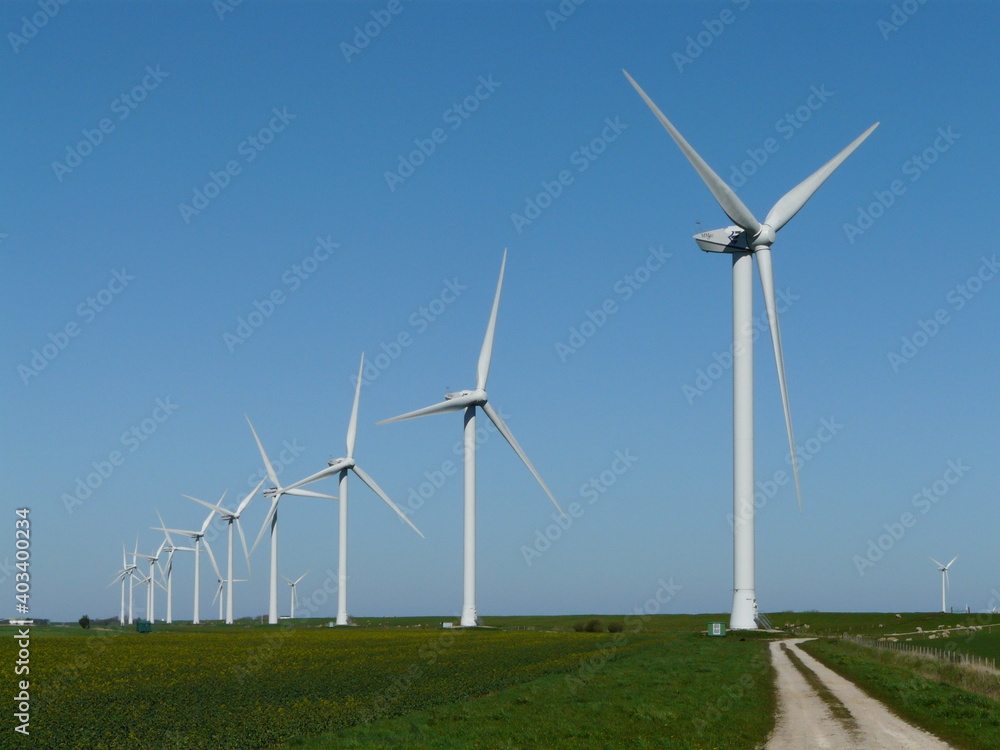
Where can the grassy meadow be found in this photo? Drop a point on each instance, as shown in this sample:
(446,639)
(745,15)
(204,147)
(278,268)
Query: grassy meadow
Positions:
(523,682)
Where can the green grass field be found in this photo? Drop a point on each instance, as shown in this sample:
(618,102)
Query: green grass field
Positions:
(525,682)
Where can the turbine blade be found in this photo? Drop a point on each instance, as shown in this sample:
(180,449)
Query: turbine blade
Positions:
(329,471)
(763,256)
(509,437)
(352,427)
(267,462)
(309,493)
(217,508)
(378,491)
(243,541)
(165,530)
(952,560)
(208,520)
(287,579)
(215,567)
(486,353)
(218,591)
(794,199)
(937,563)
(452,404)
(267,522)
(730,202)
(246,501)
(301,577)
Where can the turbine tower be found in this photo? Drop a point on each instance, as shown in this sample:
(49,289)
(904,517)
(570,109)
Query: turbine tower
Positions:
(126,573)
(945,582)
(168,573)
(750,238)
(151,581)
(341,466)
(231,517)
(469,401)
(271,520)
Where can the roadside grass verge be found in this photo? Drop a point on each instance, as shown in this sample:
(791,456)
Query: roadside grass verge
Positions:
(685,691)
(947,700)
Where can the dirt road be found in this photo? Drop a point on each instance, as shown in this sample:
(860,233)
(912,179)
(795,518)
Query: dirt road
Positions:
(817,708)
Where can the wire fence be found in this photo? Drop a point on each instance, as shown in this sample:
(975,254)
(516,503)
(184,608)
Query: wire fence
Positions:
(939,654)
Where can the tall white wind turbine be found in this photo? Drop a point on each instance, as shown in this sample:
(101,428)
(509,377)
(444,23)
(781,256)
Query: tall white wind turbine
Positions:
(945,582)
(750,238)
(232,517)
(167,573)
(198,537)
(469,401)
(271,520)
(341,466)
(295,596)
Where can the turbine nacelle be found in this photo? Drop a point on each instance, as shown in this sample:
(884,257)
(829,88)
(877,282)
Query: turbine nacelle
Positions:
(341,464)
(735,239)
(476,396)
(271,492)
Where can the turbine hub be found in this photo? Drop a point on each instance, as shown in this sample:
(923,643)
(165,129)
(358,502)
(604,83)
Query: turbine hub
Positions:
(764,237)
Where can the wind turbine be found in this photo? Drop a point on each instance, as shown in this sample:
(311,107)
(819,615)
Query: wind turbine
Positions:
(126,572)
(218,593)
(151,581)
(469,401)
(295,597)
(198,537)
(231,517)
(945,582)
(341,466)
(271,520)
(749,238)
(167,574)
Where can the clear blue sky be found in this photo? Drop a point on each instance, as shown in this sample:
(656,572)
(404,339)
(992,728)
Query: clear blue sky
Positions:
(177,99)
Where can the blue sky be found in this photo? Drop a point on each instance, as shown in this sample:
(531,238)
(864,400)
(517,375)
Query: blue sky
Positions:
(180,163)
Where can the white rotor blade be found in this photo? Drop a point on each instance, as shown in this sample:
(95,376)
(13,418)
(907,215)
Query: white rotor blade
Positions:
(287,579)
(246,501)
(217,508)
(243,541)
(730,202)
(452,404)
(952,560)
(509,437)
(308,493)
(329,471)
(763,256)
(363,476)
(164,529)
(486,353)
(301,577)
(352,427)
(267,522)
(215,567)
(208,520)
(789,205)
(267,462)
(218,591)
(937,563)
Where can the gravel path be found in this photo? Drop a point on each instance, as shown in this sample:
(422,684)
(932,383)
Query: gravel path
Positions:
(817,708)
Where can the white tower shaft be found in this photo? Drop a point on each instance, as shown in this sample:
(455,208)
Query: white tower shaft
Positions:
(469,616)
(342,617)
(272,610)
(197,579)
(229,576)
(744,610)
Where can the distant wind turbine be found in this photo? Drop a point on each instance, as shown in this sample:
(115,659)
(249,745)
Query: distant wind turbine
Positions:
(125,574)
(468,401)
(295,596)
(271,520)
(198,537)
(231,517)
(945,582)
(341,466)
(748,239)
(151,581)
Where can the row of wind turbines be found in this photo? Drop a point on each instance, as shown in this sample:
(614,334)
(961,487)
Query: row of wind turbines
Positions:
(747,239)
(467,401)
